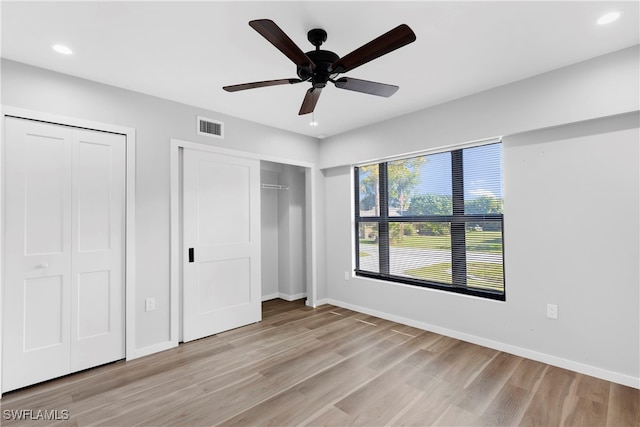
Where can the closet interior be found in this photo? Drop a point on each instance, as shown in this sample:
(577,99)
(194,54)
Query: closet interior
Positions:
(283,201)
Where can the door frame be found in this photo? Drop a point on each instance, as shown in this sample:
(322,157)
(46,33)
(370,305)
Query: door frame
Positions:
(130,186)
(177,146)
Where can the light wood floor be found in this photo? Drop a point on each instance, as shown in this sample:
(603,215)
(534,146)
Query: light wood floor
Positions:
(328,366)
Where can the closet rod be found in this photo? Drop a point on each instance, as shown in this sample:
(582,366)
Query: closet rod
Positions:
(274,187)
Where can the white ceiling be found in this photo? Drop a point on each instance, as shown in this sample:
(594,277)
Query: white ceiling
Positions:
(186,51)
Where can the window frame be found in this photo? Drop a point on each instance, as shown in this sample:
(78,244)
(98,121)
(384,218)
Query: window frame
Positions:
(458,221)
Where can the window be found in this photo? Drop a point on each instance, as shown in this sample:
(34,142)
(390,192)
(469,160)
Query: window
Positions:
(433,221)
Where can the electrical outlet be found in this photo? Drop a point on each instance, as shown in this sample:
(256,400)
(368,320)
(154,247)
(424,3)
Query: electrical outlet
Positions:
(552,311)
(149,304)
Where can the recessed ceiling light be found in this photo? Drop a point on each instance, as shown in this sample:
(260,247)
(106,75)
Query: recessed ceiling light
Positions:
(608,18)
(60,48)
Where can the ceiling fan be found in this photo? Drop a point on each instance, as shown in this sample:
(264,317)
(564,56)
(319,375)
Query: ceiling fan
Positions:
(321,66)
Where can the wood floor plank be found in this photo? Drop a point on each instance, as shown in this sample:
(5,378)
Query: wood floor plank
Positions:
(624,406)
(437,396)
(383,408)
(465,360)
(507,407)
(592,388)
(528,375)
(555,387)
(379,400)
(331,416)
(353,346)
(578,411)
(483,389)
(327,366)
(456,416)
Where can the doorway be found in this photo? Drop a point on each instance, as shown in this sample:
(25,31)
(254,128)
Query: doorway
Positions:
(305,275)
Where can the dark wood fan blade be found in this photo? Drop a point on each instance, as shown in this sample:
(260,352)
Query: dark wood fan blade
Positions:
(388,42)
(365,86)
(310,101)
(244,86)
(270,31)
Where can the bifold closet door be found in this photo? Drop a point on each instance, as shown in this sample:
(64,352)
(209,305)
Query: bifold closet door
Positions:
(97,235)
(63,301)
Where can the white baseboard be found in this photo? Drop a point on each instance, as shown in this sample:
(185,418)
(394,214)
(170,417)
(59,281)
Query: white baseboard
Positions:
(269,297)
(571,365)
(284,296)
(292,297)
(322,302)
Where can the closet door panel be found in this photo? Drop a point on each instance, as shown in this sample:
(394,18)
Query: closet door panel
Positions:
(98,255)
(37,282)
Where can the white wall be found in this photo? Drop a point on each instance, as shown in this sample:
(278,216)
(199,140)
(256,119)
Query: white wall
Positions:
(576,180)
(572,238)
(600,87)
(292,273)
(156,121)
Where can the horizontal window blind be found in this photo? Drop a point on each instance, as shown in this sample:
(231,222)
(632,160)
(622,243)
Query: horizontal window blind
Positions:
(433,220)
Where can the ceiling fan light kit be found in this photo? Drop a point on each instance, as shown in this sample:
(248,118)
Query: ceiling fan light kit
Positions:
(322,66)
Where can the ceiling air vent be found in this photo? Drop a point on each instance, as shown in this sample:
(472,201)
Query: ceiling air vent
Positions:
(210,127)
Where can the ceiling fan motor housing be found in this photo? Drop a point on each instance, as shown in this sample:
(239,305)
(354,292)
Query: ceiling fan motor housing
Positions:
(321,58)
(321,74)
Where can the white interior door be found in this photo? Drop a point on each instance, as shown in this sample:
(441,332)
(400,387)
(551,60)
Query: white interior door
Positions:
(64,226)
(36,299)
(221,229)
(97,265)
